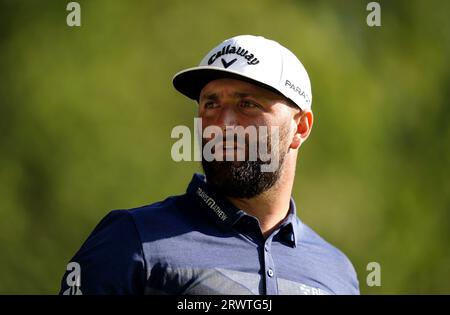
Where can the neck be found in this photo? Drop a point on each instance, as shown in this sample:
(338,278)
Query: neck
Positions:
(271,206)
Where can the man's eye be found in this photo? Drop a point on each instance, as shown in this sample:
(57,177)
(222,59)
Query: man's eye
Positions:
(210,105)
(248,104)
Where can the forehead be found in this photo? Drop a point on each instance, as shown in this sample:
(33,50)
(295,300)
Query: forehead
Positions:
(222,87)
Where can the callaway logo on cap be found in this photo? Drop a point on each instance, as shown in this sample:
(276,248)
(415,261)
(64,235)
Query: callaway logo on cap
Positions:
(254,59)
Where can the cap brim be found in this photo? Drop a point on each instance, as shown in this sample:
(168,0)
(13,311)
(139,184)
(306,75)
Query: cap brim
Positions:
(191,81)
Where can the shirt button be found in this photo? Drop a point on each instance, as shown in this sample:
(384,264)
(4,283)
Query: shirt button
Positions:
(266,248)
(270,273)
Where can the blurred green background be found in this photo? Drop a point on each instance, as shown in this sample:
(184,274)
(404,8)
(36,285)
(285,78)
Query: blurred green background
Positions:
(86,114)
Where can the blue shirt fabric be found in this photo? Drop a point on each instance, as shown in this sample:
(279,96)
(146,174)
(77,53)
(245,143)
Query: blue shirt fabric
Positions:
(199,243)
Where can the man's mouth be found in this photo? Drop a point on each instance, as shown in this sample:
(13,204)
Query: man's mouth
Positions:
(229,147)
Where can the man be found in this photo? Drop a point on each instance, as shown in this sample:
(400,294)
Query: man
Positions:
(235,231)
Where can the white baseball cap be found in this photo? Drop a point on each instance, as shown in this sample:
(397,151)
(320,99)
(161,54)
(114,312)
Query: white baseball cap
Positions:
(254,59)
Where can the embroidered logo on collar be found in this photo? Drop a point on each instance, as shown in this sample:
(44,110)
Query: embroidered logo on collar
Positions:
(211,203)
(230,50)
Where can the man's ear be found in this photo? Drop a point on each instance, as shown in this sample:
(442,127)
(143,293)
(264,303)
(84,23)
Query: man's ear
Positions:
(303,122)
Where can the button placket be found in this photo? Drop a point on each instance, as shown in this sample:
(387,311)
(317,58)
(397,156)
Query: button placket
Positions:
(270,279)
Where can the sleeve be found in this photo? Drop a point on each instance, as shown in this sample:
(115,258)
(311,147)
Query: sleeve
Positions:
(111,260)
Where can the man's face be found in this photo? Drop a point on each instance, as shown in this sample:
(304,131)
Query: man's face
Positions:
(229,103)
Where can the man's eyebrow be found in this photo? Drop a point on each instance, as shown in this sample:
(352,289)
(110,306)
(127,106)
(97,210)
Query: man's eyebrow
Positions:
(254,95)
(210,96)
(242,94)
(215,96)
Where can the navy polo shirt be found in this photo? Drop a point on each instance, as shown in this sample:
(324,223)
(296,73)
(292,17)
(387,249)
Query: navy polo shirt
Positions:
(199,243)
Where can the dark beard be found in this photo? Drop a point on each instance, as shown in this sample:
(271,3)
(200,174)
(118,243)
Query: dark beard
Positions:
(239,179)
(244,179)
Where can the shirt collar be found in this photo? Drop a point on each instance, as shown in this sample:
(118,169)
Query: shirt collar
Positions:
(217,206)
(223,212)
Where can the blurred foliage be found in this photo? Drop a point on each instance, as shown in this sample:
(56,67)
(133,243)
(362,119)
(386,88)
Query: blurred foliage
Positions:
(86,115)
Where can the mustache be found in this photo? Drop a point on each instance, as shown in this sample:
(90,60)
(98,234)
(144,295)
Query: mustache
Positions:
(240,144)
(236,140)
(231,141)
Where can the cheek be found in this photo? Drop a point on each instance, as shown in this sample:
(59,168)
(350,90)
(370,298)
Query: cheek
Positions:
(282,124)
(203,115)
(285,134)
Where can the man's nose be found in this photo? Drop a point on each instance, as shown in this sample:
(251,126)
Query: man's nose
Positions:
(227,117)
